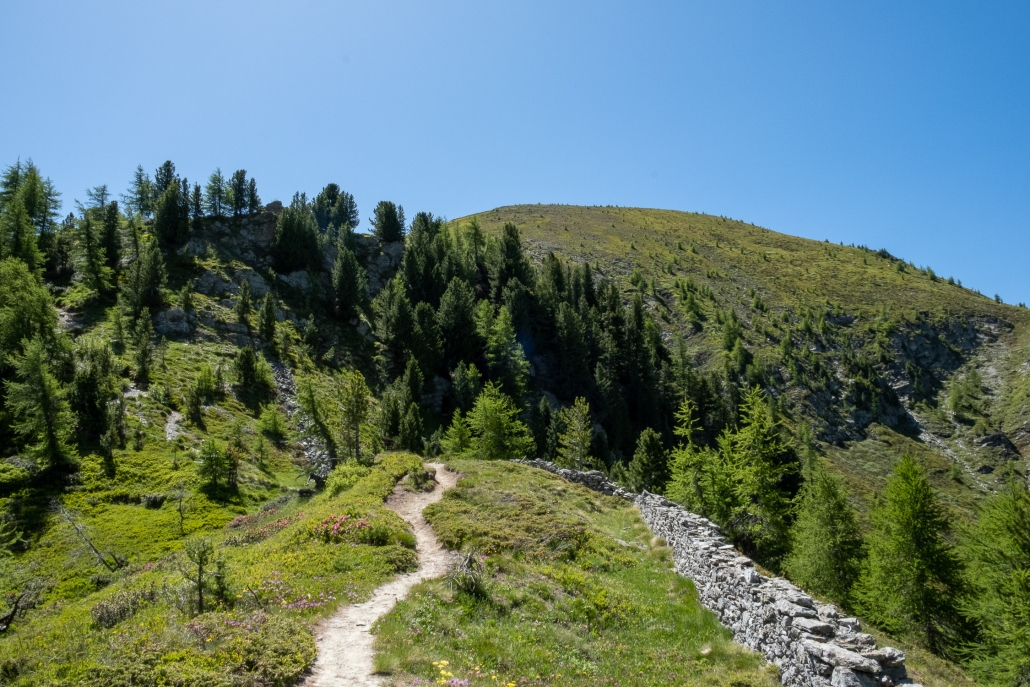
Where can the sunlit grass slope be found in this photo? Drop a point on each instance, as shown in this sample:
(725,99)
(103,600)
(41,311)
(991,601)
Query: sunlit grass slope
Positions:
(575,592)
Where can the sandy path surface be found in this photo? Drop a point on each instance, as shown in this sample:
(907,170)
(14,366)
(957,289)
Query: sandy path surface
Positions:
(344,641)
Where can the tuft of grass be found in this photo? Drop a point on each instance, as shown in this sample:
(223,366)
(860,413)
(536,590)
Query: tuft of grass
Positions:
(563,586)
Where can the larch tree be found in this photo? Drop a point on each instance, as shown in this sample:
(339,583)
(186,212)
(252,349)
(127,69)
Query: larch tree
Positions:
(39,403)
(215,202)
(574,442)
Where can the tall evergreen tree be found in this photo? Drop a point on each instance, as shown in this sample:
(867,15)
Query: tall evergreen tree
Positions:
(237,192)
(18,236)
(253,199)
(998,560)
(93,385)
(912,579)
(508,261)
(92,258)
(395,318)
(215,202)
(349,282)
(649,468)
(574,442)
(356,405)
(388,221)
(267,318)
(144,279)
(139,199)
(457,322)
(507,360)
(38,402)
(497,433)
(296,237)
(826,542)
(111,234)
(26,310)
(163,178)
(466,383)
(171,215)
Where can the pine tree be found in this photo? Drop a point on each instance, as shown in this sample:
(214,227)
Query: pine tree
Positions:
(244,302)
(395,318)
(215,203)
(171,215)
(237,192)
(574,442)
(457,440)
(163,178)
(296,237)
(912,578)
(144,279)
(39,405)
(349,282)
(18,235)
(213,466)
(143,345)
(356,404)
(197,209)
(426,342)
(508,261)
(111,235)
(457,322)
(27,308)
(826,542)
(92,258)
(497,432)
(465,385)
(139,198)
(649,468)
(507,361)
(253,199)
(388,221)
(410,430)
(267,318)
(93,385)
(998,559)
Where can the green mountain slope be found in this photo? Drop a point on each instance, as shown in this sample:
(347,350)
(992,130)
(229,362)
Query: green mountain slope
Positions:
(874,347)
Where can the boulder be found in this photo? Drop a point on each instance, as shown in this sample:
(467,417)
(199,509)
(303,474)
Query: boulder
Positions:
(812,626)
(172,322)
(840,657)
(845,677)
(886,656)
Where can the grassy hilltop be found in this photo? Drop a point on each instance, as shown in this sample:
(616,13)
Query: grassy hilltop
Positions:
(921,333)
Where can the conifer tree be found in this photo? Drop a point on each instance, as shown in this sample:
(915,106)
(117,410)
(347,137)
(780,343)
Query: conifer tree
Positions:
(144,279)
(395,318)
(426,342)
(111,236)
(93,385)
(163,178)
(171,215)
(457,440)
(197,209)
(18,235)
(508,261)
(497,433)
(457,321)
(253,199)
(296,237)
(244,302)
(388,221)
(92,258)
(998,559)
(139,198)
(349,282)
(410,430)
(826,542)
(40,407)
(237,192)
(465,385)
(143,345)
(574,442)
(213,466)
(356,404)
(27,308)
(649,468)
(267,318)
(507,361)
(912,579)
(215,203)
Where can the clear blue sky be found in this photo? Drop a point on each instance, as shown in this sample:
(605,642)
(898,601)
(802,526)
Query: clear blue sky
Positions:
(897,125)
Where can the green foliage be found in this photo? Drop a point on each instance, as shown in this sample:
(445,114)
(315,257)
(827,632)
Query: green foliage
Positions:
(826,542)
(216,202)
(457,321)
(507,261)
(92,260)
(273,423)
(912,579)
(93,386)
(997,556)
(335,208)
(18,235)
(243,304)
(574,442)
(345,476)
(349,283)
(388,221)
(355,406)
(394,317)
(38,402)
(649,468)
(252,373)
(746,485)
(144,279)
(296,238)
(205,575)
(507,362)
(213,465)
(139,200)
(466,384)
(497,433)
(410,429)
(172,215)
(267,318)
(26,309)
(457,440)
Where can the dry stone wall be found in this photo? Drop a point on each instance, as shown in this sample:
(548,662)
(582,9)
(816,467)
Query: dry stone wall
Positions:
(810,642)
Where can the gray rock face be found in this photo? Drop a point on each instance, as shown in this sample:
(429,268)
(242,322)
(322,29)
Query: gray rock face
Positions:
(173,322)
(809,642)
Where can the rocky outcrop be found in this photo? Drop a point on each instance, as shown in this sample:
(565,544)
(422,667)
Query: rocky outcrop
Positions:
(174,322)
(810,642)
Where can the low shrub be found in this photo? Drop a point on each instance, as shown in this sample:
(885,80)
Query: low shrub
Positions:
(122,606)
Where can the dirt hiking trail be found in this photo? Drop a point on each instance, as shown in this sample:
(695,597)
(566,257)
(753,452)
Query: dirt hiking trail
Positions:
(344,641)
